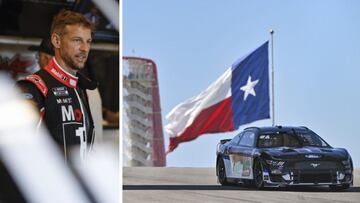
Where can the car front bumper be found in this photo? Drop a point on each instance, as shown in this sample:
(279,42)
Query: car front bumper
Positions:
(307,177)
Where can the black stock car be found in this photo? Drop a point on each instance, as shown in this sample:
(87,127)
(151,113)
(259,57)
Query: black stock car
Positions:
(282,156)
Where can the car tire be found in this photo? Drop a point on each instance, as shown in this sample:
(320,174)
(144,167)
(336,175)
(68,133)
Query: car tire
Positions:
(339,187)
(221,172)
(258,174)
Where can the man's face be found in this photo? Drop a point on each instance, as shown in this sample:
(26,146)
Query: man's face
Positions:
(75,46)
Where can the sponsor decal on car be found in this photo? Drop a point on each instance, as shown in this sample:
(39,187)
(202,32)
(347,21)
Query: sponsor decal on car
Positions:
(312,156)
(241,166)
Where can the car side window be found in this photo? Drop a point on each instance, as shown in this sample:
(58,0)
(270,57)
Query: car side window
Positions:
(247,139)
(312,139)
(290,141)
(236,139)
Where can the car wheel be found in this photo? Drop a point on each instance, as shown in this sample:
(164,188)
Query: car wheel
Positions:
(339,187)
(258,174)
(221,172)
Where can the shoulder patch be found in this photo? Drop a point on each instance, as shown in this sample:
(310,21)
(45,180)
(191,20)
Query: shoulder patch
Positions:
(39,82)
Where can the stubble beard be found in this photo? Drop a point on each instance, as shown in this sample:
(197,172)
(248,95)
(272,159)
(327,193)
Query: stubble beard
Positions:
(70,61)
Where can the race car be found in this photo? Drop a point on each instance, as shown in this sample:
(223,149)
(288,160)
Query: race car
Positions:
(282,156)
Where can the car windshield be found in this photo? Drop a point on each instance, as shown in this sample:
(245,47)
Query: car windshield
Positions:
(289,139)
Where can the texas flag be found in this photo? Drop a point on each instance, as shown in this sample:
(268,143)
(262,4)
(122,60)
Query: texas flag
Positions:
(237,97)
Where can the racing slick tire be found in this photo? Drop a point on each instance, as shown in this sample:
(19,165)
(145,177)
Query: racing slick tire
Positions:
(258,174)
(221,172)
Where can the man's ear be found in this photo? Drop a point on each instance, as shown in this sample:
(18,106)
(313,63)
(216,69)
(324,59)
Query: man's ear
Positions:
(55,40)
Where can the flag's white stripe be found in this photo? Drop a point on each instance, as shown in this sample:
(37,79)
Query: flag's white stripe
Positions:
(184,114)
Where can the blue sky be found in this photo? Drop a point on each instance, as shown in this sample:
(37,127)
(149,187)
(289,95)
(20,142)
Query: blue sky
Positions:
(316,56)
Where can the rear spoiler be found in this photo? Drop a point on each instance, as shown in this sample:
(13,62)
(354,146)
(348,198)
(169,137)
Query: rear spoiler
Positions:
(224,141)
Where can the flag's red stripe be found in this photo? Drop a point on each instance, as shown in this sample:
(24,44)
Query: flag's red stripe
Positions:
(214,119)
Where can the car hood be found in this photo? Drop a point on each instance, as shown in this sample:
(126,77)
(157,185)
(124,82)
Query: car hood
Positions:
(306,153)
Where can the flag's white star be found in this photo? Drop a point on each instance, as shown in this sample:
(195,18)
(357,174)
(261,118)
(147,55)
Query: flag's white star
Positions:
(249,87)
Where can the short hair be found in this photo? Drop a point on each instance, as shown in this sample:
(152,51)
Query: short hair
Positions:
(67,17)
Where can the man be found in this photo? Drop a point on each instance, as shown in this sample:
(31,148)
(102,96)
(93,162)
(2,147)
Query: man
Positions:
(45,54)
(57,90)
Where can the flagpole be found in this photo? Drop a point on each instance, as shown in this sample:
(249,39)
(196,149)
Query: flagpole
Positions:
(272,76)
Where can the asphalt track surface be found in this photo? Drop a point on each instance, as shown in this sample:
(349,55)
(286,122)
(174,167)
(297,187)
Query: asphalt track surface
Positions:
(150,184)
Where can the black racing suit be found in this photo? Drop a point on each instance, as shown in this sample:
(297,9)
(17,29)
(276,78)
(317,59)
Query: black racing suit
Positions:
(63,105)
